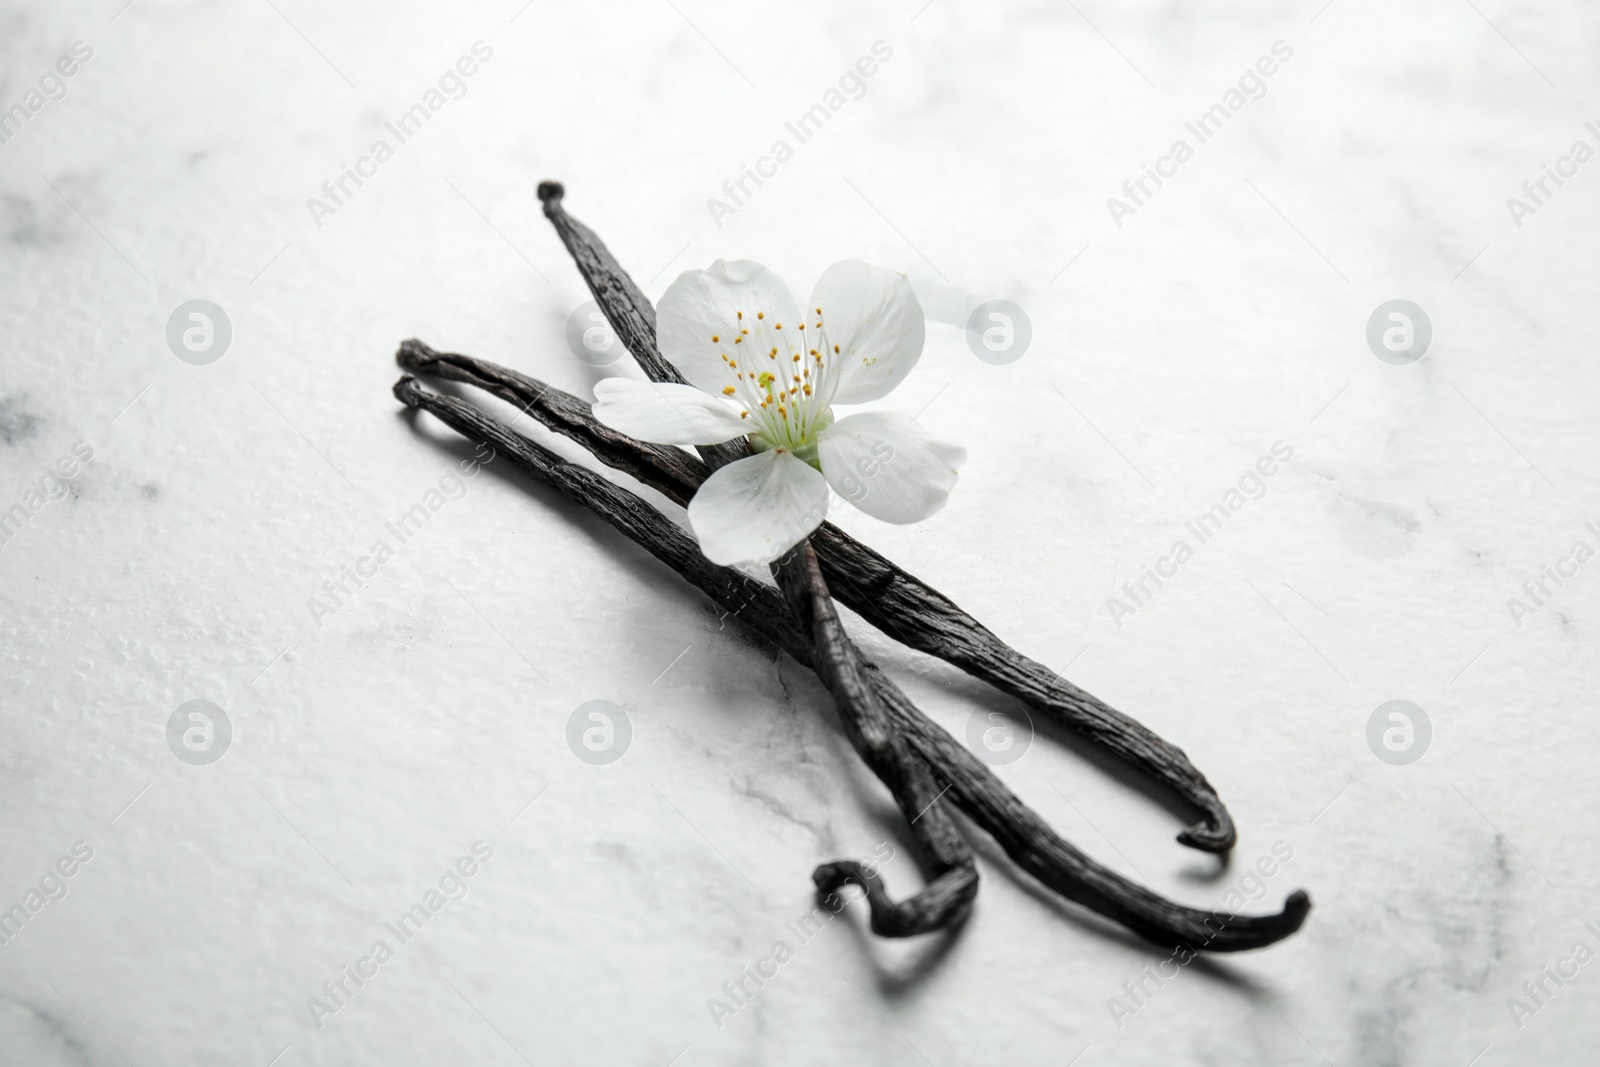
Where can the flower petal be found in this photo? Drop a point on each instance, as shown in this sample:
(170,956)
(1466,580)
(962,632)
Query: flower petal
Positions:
(703,304)
(888,466)
(872,315)
(756,509)
(665,414)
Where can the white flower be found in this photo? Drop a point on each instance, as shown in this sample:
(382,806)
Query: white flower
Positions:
(760,369)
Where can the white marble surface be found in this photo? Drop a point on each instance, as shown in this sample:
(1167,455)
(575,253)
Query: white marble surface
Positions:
(1226,315)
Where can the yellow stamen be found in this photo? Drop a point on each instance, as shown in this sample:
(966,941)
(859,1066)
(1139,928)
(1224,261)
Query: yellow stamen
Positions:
(728,390)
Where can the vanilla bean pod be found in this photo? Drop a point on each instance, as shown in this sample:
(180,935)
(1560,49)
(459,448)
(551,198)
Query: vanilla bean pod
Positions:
(953,876)
(973,787)
(897,602)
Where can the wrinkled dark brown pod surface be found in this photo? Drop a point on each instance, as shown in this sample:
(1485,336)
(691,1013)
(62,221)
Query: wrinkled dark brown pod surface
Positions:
(1026,838)
(946,859)
(896,601)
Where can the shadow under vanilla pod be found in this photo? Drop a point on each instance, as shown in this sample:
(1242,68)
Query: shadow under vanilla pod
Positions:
(924,767)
